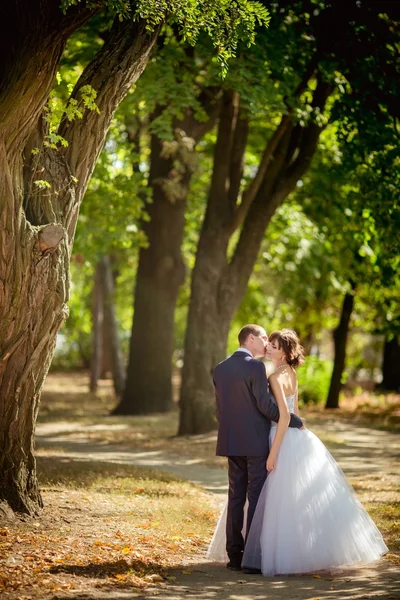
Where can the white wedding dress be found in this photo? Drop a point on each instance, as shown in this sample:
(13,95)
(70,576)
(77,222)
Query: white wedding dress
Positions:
(308,517)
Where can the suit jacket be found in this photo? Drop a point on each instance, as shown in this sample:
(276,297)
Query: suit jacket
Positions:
(245,407)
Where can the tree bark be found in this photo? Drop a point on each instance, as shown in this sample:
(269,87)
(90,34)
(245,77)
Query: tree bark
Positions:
(107,361)
(390,365)
(34,267)
(161,269)
(340,340)
(219,283)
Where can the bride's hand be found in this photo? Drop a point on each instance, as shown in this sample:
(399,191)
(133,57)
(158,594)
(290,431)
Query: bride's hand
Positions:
(271,462)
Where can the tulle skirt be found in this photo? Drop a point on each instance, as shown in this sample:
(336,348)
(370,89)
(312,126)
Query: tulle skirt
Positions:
(308,517)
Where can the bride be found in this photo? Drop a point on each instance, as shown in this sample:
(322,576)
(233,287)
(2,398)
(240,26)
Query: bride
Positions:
(308,517)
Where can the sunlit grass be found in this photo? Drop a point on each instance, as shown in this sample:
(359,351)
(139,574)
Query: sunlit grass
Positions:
(172,506)
(103,526)
(386,515)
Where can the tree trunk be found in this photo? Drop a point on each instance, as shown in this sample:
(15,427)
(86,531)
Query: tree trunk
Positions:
(340,340)
(107,361)
(390,365)
(33,306)
(219,283)
(111,327)
(161,270)
(38,225)
(96,360)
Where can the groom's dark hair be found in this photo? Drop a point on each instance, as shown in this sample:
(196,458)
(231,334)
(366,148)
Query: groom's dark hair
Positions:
(247,330)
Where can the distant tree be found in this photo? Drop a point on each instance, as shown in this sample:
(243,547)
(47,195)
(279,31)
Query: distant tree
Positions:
(347,61)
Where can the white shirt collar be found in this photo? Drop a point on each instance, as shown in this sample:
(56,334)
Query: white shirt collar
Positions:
(244,350)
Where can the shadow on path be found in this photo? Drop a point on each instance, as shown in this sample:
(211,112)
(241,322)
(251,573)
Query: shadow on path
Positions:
(359,452)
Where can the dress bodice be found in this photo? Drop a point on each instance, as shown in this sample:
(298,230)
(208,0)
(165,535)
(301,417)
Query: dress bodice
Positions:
(290,403)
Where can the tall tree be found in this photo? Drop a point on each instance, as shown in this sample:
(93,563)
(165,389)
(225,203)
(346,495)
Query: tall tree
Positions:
(39,212)
(220,275)
(183,106)
(45,172)
(161,270)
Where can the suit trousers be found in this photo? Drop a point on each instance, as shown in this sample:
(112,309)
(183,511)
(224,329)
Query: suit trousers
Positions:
(247,475)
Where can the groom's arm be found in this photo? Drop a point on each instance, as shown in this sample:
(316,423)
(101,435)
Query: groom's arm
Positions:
(265,400)
(295,421)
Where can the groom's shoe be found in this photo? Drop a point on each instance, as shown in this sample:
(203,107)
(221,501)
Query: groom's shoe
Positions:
(250,571)
(234,566)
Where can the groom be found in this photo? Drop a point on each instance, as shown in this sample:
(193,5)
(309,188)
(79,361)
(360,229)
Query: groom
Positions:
(245,409)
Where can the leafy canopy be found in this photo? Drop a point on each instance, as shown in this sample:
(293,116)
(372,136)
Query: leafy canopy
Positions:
(225,21)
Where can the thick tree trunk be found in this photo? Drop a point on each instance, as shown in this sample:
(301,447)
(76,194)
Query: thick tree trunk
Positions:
(107,361)
(219,284)
(159,276)
(391,365)
(37,226)
(33,306)
(340,340)
(205,333)
(161,270)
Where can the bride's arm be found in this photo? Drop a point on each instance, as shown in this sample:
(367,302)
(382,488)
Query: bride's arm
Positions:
(283,423)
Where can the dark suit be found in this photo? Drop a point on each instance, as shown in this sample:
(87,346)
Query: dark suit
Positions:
(245,409)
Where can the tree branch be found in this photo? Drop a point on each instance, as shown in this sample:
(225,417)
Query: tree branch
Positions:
(279,180)
(111,73)
(32,38)
(209,99)
(308,143)
(250,193)
(237,158)
(220,181)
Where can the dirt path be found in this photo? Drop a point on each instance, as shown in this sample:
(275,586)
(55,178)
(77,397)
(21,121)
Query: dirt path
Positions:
(359,452)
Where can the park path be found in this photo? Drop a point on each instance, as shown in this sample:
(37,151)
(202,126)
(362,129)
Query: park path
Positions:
(359,451)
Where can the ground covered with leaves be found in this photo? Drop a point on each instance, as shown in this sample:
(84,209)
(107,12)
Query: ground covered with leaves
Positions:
(109,527)
(102,527)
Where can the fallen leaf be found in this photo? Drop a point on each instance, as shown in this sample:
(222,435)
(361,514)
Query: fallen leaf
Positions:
(154,578)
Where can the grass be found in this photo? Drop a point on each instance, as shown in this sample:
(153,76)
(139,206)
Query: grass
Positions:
(103,526)
(365,409)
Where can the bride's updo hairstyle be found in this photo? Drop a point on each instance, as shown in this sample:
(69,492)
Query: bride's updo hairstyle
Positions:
(289,342)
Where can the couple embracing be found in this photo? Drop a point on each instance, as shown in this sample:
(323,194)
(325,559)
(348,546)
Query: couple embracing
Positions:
(290,508)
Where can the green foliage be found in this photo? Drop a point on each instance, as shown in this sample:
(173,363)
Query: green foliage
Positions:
(343,220)
(226,22)
(295,282)
(42,184)
(314,378)
(57,108)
